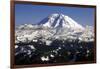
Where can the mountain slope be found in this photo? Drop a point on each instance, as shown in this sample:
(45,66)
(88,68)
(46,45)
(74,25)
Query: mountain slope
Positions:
(60,20)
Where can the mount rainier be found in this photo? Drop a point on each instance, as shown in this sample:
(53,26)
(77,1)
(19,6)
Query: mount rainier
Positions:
(55,26)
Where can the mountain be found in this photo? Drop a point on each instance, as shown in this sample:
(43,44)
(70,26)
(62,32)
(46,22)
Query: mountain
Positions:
(55,39)
(59,21)
(25,26)
(55,26)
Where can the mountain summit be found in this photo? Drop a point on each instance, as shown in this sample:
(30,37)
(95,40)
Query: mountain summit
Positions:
(60,20)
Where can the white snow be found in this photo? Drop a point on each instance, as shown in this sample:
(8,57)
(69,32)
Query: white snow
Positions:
(52,55)
(22,39)
(31,46)
(29,52)
(45,58)
(59,48)
(58,26)
(16,46)
(87,51)
(48,42)
(34,40)
(66,22)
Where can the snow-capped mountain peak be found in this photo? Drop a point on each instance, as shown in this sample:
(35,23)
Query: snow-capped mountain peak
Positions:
(55,26)
(61,20)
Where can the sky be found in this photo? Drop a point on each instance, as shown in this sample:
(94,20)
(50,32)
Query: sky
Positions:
(33,14)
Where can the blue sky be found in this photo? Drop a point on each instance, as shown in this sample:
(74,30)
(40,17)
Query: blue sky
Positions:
(32,14)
